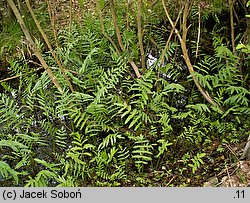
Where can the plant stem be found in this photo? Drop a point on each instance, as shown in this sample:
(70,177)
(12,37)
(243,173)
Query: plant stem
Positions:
(199,32)
(51,10)
(140,36)
(70,15)
(33,46)
(182,40)
(103,29)
(231,3)
(49,45)
(118,34)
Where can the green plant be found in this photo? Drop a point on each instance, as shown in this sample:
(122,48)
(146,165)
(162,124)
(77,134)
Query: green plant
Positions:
(115,129)
(197,161)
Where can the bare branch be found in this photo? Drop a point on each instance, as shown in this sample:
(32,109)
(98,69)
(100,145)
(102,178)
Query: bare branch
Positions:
(199,32)
(231,4)
(33,45)
(48,44)
(118,34)
(140,36)
(182,40)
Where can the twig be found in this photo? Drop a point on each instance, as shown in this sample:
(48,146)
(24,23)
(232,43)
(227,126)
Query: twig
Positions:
(33,46)
(167,44)
(117,30)
(155,43)
(112,41)
(230,149)
(103,30)
(52,19)
(229,178)
(140,36)
(70,15)
(171,180)
(17,76)
(118,34)
(169,38)
(182,40)
(49,45)
(127,14)
(231,3)
(199,32)
(233,165)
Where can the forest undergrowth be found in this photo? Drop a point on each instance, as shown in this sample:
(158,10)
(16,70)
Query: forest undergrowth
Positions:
(93,110)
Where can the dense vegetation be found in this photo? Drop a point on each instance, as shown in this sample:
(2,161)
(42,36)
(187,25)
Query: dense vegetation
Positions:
(123,93)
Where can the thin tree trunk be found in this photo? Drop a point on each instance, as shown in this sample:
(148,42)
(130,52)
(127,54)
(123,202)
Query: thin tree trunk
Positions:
(49,45)
(119,38)
(182,40)
(117,30)
(231,4)
(70,15)
(140,37)
(33,45)
(199,33)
